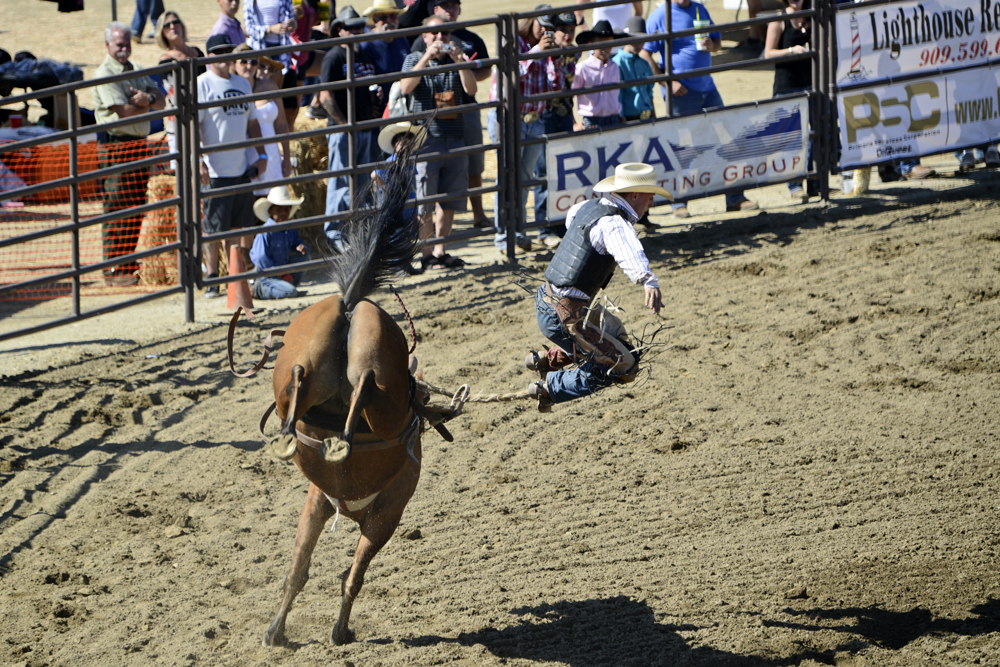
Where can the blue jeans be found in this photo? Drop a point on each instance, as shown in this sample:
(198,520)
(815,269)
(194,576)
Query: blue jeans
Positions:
(273,287)
(566,385)
(694,102)
(144,9)
(601,121)
(338,189)
(529,159)
(553,123)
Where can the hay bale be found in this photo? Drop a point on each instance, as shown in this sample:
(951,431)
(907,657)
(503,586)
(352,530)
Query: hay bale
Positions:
(159,228)
(310,156)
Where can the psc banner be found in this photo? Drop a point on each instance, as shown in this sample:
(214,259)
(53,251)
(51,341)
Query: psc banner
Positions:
(913,36)
(919,117)
(693,155)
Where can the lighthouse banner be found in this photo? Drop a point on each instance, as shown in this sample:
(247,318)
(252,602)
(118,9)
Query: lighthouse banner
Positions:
(889,121)
(900,38)
(694,156)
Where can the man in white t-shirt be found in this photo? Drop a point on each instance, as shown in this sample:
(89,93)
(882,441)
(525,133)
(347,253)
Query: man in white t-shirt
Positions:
(616,15)
(222,125)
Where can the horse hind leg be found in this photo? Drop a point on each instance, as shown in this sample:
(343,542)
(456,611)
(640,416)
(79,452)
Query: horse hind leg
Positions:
(286,442)
(379,523)
(315,514)
(338,450)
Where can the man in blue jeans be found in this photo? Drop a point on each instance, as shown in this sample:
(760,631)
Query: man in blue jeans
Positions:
(334,69)
(145,9)
(599,238)
(697,93)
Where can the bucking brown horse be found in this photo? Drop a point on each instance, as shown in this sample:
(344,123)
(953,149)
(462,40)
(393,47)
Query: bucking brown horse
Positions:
(343,392)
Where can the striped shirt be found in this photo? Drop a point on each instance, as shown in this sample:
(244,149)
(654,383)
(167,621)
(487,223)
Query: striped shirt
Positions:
(533,78)
(613,235)
(429,86)
(256,26)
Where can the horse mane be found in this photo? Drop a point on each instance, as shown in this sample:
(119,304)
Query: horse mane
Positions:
(379,243)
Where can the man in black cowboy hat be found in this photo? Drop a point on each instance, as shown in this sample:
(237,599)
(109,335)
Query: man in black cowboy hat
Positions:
(604,108)
(599,237)
(338,188)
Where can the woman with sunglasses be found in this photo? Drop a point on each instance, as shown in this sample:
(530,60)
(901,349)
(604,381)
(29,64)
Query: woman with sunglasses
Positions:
(255,69)
(171,36)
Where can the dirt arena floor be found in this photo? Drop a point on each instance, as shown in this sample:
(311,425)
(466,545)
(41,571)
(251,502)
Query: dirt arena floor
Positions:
(806,474)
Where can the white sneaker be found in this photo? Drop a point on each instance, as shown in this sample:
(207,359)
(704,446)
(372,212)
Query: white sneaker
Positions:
(967,162)
(992,158)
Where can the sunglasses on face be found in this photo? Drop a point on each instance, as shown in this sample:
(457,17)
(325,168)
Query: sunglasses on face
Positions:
(385,18)
(252,62)
(171,24)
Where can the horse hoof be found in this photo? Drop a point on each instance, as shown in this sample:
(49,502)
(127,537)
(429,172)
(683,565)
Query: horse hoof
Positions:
(336,451)
(275,635)
(338,638)
(284,446)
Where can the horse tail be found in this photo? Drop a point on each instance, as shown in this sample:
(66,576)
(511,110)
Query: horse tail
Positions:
(379,242)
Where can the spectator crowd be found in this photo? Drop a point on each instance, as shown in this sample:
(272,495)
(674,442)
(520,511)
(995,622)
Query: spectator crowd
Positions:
(446,170)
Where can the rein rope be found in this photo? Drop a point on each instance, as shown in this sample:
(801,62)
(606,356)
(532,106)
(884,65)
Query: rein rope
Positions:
(413,330)
(489,398)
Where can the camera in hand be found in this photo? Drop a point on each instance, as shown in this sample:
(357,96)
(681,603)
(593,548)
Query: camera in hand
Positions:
(446,48)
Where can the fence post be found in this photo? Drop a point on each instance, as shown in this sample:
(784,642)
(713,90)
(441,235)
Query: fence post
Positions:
(668,51)
(189,224)
(512,143)
(824,118)
(74,198)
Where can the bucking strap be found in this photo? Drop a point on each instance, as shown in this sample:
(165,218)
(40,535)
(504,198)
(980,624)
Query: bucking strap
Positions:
(229,346)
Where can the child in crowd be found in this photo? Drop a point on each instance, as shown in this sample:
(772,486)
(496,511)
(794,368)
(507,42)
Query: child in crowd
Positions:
(271,249)
(636,101)
(602,109)
(396,139)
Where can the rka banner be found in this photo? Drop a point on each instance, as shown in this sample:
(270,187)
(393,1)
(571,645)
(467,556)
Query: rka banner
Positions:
(693,155)
(920,117)
(908,37)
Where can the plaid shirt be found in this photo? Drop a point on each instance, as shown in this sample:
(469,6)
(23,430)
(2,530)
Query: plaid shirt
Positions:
(532,77)
(257,32)
(560,71)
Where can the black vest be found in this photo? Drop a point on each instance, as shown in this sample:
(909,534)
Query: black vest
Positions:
(576,262)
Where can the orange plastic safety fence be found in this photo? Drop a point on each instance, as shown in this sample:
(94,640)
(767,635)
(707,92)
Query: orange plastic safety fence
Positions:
(110,240)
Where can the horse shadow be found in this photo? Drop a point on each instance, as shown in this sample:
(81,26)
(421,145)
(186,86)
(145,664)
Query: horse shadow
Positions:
(608,631)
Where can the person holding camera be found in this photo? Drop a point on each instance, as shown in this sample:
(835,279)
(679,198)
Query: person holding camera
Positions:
(446,133)
(475,48)
(235,121)
(532,37)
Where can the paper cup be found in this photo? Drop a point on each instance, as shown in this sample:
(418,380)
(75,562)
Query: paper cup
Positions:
(702,35)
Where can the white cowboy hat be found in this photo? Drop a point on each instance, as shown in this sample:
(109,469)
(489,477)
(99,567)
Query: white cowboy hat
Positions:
(633,177)
(278,196)
(390,132)
(382,7)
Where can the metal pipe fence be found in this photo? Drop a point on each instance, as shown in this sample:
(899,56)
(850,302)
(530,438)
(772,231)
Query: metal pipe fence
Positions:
(86,182)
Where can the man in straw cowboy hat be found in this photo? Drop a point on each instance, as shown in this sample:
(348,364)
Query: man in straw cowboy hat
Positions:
(599,236)
(277,248)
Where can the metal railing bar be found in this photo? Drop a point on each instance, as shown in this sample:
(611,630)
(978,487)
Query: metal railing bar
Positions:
(87,83)
(86,176)
(359,126)
(90,222)
(90,313)
(89,268)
